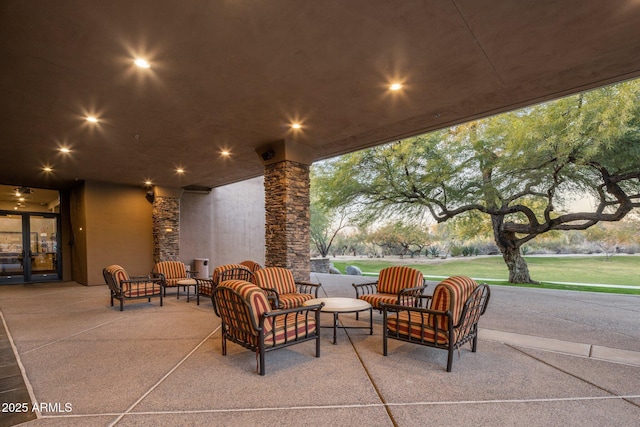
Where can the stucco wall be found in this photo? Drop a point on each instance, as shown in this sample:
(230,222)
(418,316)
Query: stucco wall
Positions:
(225,226)
(118,229)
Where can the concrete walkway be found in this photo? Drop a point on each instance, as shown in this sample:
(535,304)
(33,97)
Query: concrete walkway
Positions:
(544,358)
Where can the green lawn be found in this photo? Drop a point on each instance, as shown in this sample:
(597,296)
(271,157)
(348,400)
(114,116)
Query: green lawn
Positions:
(618,270)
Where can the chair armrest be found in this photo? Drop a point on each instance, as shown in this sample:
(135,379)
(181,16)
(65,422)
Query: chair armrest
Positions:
(272,297)
(308,288)
(142,279)
(274,313)
(191,274)
(411,294)
(427,300)
(365,288)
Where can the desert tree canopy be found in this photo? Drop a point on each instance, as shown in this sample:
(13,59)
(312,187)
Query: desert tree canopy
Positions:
(519,169)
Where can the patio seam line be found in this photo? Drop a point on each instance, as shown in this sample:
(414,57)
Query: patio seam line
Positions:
(558,346)
(367,405)
(157,384)
(373,383)
(564,371)
(76,334)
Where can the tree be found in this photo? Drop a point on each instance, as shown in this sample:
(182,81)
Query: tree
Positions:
(325,224)
(517,169)
(400,238)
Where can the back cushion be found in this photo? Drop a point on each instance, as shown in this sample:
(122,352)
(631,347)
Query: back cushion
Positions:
(252,265)
(171,269)
(119,274)
(450,295)
(255,297)
(393,279)
(219,269)
(278,278)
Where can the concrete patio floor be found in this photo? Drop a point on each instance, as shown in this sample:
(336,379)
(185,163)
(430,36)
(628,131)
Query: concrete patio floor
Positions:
(544,358)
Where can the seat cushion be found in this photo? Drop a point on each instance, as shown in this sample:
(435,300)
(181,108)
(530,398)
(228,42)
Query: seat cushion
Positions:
(293,300)
(142,289)
(376,299)
(394,279)
(450,295)
(291,327)
(278,278)
(417,326)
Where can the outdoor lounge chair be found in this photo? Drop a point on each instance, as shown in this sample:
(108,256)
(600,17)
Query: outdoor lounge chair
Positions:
(171,272)
(252,265)
(247,320)
(284,292)
(450,319)
(234,271)
(396,285)
(122,287)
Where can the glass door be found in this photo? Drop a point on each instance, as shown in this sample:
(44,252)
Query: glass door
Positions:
(43,248)
(11,249)
(29,248)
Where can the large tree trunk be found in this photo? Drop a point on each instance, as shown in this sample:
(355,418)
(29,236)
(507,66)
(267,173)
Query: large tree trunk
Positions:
(510,249)
(518,268)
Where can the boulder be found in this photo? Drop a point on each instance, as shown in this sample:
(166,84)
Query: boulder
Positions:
(352,270)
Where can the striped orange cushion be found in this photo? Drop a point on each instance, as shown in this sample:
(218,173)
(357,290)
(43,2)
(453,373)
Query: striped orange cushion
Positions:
(143,289)
(278,278)
(135,289)
(172,270)
(376,299)
(288,328)
(252,265)
(394,279)
(255,297)
(219,269)
(293,300)
(118,273)
(417,326)
(450,295)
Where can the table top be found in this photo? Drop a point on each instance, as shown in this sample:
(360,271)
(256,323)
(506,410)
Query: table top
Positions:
(337,304)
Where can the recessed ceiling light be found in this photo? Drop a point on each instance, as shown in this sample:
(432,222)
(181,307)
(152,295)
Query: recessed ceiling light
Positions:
(296,126)
(225,153)
(65,150)
(147,182)
(47,169)
(141,63)
(180,170)
(92,119)
(395,86)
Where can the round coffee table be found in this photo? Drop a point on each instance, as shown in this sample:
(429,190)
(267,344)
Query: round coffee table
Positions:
(186,283)
(338,305)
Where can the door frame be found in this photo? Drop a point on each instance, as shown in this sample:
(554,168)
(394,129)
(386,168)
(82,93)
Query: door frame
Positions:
(28,275)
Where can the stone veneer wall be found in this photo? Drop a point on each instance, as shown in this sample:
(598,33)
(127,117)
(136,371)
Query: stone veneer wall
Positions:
(166,229)
(286,187)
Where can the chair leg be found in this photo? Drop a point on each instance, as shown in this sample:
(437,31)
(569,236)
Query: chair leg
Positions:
(262,369)
(384,333)
(450,358)
(160,298)
(122,304)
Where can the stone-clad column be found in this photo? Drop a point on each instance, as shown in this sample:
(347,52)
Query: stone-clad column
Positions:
(287,223)
(166,224)
(286,186)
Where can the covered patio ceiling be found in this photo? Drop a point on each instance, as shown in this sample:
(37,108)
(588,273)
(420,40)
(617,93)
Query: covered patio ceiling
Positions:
(236,74)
